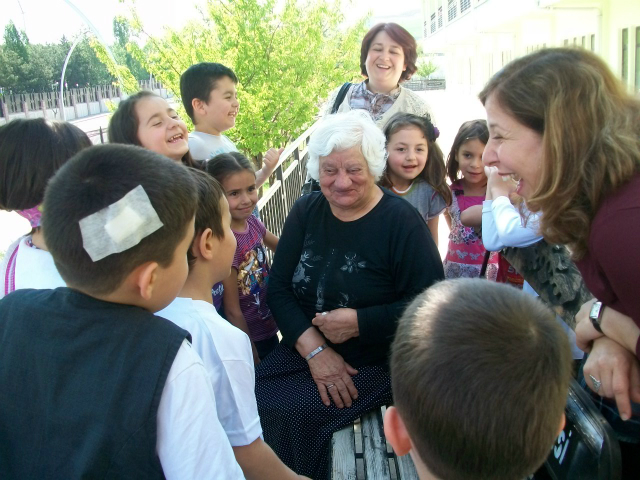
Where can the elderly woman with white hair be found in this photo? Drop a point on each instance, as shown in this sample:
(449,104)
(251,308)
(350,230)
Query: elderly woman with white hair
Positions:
(349,260)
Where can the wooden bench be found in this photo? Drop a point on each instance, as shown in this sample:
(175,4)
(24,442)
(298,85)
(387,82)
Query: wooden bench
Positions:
(360,451)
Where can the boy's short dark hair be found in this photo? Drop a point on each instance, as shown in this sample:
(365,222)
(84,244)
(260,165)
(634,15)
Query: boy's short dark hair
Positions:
(199,80)
(98,177)
(480,374)
(31,150)
(209,212)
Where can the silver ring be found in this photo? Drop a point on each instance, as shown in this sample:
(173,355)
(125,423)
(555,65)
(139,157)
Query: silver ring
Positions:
(596,383)
(324,313)
(331,385)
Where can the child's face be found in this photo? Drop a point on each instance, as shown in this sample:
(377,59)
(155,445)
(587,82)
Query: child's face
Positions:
(226,246)
(469,158)
(160,129)
(242,194)
(170,280)
(408,152)
(219,113)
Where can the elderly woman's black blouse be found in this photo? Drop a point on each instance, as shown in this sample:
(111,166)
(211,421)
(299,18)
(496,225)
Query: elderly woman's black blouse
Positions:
(375,264)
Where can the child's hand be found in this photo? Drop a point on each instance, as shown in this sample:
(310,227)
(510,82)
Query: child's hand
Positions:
(271,158)
(497,185)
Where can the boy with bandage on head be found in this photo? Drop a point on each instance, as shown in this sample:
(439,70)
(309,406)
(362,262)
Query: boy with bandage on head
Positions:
(93,384)
(480,376)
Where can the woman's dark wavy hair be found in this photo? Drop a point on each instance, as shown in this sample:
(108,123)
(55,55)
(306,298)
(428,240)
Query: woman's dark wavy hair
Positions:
(434,172)
(473,129)
(123,126)
(31,151)
(398,34)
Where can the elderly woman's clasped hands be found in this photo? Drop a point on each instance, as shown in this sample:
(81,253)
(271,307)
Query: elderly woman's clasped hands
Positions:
(338,325)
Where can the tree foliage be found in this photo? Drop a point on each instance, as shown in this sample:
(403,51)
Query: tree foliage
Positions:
(287,57)
(26,67)
(425,68)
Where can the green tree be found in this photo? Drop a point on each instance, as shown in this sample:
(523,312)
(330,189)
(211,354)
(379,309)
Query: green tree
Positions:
(426,68)
(16,41)
(287,60)
(122,34)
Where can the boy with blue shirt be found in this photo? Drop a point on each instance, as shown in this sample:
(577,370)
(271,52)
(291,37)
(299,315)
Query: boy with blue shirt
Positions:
(225,350)
(93,384)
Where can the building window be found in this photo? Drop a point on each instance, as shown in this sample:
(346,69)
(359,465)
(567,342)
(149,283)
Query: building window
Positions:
(439,17)
(593,43)
(465,5)
(433,23)
(584,42)
(638,59)
(452,10)
(625,54)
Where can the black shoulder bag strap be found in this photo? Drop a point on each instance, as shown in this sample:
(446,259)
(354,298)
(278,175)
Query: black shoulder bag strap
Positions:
(340,98)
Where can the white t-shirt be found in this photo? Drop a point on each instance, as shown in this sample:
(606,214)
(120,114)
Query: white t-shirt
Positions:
(203,146)
(226,353)
(24,266)
(191,443)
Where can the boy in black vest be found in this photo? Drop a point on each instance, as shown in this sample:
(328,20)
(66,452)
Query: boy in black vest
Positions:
(93,384)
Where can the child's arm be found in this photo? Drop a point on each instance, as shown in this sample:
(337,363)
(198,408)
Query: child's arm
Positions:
(270,161)
(232,311)
(433,228)
(270,240)
(472,217)
(259,462)
(447,218)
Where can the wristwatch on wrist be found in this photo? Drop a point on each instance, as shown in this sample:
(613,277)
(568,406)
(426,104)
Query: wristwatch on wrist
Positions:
(595,315)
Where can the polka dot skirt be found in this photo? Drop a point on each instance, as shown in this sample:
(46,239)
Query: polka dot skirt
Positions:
(296,424)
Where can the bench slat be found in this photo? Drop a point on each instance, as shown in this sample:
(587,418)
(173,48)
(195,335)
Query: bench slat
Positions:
(375,447)
(406,468)
(343,454)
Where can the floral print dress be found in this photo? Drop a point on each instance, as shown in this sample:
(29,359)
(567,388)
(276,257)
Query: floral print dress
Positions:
(465,253)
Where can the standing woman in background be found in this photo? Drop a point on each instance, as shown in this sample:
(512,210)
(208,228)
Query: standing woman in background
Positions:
(387,57)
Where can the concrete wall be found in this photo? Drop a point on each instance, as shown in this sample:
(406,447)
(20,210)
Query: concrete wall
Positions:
(80,110)
(482,40)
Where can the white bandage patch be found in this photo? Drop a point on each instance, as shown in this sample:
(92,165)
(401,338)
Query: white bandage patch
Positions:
(119,226)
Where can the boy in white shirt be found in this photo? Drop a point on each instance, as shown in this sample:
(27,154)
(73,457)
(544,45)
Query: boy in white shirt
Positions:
(225,350)
(208,92)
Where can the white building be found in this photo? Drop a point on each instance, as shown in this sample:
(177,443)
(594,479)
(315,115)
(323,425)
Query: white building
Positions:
(478,37)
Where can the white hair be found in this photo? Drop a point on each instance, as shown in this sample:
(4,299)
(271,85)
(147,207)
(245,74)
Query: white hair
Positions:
(343,131)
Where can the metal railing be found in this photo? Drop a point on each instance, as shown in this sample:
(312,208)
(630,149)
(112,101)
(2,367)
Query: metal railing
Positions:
(288,178)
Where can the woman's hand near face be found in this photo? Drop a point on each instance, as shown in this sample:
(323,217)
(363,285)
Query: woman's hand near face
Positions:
(338,325)
(332,376)
(618,372)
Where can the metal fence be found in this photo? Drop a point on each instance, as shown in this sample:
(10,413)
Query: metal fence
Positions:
(420,84)
(11,103)
(289,176)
